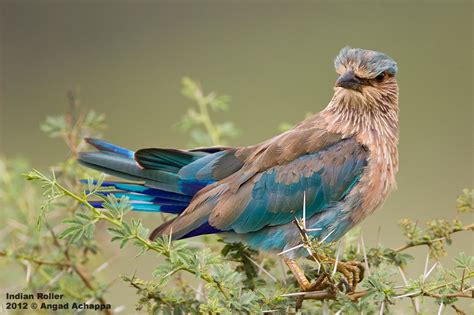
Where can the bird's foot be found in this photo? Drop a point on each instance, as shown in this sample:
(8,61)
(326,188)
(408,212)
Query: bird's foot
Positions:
(305,285)
(353,272)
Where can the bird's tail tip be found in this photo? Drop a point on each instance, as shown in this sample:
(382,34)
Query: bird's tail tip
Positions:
(102,145)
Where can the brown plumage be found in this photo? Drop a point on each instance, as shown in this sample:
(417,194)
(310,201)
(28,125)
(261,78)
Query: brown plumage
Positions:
(364,108)
(343,159)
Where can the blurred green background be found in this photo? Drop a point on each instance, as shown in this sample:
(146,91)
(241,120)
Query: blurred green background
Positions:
(275,59)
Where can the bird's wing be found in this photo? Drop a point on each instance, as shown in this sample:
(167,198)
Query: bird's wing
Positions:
(275,195)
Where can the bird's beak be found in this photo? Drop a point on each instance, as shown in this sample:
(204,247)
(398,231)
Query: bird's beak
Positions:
(350,81)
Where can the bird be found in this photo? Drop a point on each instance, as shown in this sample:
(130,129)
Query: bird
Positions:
(337,166)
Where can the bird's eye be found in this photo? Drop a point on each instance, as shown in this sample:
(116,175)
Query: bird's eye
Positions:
(380,77)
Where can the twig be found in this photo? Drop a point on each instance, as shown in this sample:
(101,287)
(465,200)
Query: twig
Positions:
(81,274)
(313,253)
(458,310)
(365,255)
(35,260)
(149,245)
(469,227)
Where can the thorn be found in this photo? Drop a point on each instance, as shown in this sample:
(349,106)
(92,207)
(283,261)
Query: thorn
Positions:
(382,307)
(416,303)
(365,255)
(311,254)
(28,271)
(327,235)
(170,237)
(429,272)
(313,230)
(304,210)
(89,301)
(199,293)
(319,266)
(291,249)
(337,260)
(462,279)
(101,267)
(407,295)
(468,289)
(118,309)
(379,236)
(440,310)
(403,276)
(262,269)
(426,265)
(55,279)
(285,278)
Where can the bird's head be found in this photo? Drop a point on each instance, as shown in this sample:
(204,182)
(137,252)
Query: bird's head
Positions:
(365,77)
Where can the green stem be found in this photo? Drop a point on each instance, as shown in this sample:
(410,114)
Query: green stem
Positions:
(470,275)
(48,278)
(101,216)
(206,120)
(32,259)
(469,227)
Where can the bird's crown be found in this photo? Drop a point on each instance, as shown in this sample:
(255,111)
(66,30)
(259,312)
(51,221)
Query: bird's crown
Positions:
(366,63)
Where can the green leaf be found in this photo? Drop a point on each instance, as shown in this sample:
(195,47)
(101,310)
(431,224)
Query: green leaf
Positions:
(463,261)
(82,226)
(218,102)
(117,207)
(94,121)
(465,202)
(198,122)
(54,126)
(164,273)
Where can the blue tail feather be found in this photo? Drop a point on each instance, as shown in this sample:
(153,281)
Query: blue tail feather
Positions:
(109,147)
(147,207)
(145,190)
(145,198)
(157,180)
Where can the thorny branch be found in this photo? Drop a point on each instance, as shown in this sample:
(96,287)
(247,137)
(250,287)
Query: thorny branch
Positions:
(332,292)
(85,278)
(101,216)
(408,245)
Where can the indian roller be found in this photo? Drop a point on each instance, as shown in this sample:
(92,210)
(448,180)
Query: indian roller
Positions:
(341,162)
